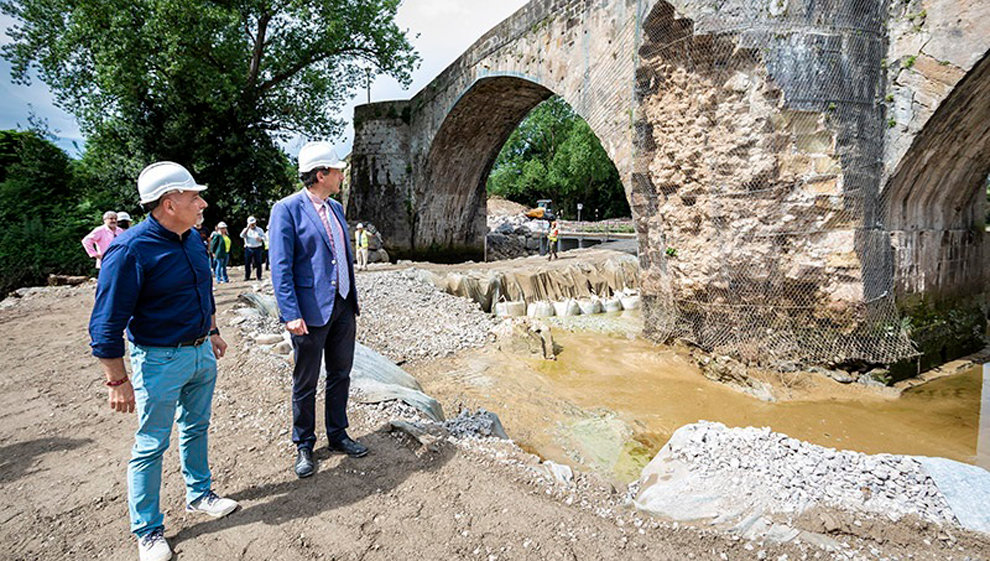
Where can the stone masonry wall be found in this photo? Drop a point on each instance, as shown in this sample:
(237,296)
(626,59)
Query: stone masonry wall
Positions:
(381,169)
(756,180)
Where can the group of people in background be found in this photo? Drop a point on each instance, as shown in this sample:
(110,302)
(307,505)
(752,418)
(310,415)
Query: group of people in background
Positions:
(255,250)
(217,244)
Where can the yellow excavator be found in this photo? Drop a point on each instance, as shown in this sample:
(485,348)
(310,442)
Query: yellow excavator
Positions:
(543,211)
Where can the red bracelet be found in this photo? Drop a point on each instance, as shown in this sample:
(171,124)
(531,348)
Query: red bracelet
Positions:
(116,383)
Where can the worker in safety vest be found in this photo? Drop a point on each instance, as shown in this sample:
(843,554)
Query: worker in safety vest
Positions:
(552,238)
(361,237)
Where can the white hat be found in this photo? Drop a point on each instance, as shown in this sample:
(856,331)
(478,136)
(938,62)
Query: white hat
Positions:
(222,225)
(252,220)
(359,226)
(164,177)
(316,155)
(122,216)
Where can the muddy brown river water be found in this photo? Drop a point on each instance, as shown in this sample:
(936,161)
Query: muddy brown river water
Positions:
(610,402)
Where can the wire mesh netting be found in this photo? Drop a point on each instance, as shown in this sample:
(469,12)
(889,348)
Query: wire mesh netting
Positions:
(759,160)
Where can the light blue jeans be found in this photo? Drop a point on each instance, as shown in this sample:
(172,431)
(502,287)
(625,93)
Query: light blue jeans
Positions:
(220,268)
(170,385)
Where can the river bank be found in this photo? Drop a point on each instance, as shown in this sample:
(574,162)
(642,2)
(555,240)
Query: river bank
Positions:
(467,497)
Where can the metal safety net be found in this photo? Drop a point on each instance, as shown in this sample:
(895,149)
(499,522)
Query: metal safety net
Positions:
(759,133)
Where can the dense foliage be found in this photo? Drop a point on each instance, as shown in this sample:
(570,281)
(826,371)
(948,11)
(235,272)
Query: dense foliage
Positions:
(554,154)
(212,85)
(43,215)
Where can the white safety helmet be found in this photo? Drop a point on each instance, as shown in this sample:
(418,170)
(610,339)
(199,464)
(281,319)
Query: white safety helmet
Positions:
(222,225)
(123,216)
(360,226)
(316,155)
(252,220)
(164,177)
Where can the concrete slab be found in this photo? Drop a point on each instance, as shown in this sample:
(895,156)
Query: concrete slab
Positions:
(966,488)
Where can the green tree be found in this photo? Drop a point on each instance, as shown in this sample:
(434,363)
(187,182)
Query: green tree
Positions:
(554,154)
(214,85)
(41,217)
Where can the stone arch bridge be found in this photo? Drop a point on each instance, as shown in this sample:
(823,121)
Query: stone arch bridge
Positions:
(819,166)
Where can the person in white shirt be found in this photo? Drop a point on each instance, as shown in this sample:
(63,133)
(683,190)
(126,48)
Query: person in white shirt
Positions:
(254,243)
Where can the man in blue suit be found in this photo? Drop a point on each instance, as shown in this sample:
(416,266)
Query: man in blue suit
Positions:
(313,275)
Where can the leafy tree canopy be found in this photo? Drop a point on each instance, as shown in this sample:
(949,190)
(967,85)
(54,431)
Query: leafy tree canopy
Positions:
(210,84)
(42,217)
(554,154)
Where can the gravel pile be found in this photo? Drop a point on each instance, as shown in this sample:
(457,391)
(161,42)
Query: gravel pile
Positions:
(481,424)
(406,319)
(783,474)
(402,317)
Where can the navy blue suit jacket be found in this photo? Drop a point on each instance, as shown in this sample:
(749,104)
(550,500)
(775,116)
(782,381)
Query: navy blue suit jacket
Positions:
(302,263)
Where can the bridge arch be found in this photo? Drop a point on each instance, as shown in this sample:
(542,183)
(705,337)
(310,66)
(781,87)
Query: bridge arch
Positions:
(935,211)
(464,149)
(935,199)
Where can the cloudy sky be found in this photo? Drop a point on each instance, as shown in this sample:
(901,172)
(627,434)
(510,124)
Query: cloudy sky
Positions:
(445,27)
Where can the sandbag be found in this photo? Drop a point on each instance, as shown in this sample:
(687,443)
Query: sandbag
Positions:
(590,306)
(510,309)
(630,302)
(540,310)
(566,308)
(612,305)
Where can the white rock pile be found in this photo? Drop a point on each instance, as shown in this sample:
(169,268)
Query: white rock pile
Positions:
(405,319)
(747,470)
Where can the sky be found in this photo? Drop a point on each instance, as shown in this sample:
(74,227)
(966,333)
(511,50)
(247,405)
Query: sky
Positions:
(445,29)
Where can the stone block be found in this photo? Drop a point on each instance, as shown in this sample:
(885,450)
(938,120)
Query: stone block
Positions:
(815,143)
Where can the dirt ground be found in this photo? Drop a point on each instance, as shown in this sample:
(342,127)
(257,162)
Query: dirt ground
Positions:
(63,457)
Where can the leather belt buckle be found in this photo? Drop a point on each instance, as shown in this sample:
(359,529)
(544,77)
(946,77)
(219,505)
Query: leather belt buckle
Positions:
(194,342)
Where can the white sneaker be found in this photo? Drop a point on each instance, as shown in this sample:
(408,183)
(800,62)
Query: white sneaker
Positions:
(153,547)
(214,505)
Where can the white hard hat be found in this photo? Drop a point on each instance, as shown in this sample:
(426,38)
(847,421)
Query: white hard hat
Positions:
(165,177)
(316,155)
(252,220)
(222,225)
(122,216)
(359,226)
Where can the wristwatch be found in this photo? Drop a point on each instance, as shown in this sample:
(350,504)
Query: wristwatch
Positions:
(214,331)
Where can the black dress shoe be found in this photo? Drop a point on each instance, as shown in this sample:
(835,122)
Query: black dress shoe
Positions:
(348,446)
(304,463)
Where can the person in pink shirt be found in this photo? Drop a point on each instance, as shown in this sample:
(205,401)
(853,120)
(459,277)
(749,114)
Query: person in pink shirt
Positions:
(97,241)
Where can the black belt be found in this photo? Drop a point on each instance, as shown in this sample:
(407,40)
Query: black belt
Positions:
(194,342)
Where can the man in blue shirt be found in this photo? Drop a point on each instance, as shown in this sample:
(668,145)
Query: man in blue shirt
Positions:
(156,284)
(313,278)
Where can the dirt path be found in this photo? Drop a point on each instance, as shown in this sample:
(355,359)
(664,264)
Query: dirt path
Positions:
(63,457)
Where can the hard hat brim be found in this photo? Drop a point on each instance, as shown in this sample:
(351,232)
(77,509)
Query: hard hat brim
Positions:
(166,189)
(332,164)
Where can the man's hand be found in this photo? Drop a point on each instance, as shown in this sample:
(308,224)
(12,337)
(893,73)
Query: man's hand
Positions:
(297,327)
(219,345)
(122,398)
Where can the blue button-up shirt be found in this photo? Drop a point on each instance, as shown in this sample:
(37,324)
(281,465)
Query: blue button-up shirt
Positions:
(155,284)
